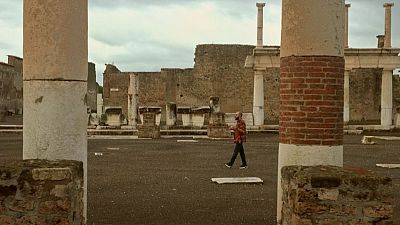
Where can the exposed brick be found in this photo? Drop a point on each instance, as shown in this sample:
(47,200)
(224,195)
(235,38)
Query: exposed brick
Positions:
(317,81)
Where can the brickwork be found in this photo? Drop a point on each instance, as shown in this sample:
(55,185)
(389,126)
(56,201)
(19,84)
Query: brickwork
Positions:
(10,88)
(149,129)
(311,97)
(41,192)
(332,195)
(92,88)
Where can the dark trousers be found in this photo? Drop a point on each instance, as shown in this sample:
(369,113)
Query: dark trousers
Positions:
(238,149)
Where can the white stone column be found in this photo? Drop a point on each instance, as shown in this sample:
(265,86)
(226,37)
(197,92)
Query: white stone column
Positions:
(99,104)
(388,24)
(133,100)
(346,24)
(386,98)
(258,98)
(346,113)
(55,46)
(260,24)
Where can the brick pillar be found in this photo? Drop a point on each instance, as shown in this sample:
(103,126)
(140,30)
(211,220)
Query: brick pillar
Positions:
(311,85)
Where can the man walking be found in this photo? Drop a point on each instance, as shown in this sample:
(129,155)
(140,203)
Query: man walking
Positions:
(239,136)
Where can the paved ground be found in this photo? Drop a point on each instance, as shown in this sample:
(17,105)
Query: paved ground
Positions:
(165,182)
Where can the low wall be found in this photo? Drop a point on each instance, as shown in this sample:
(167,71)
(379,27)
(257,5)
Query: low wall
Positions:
(331,195)
(41,192)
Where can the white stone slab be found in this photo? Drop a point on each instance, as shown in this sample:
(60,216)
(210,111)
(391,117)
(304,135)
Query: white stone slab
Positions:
(188,141)
(390,166)
(237,180)
(371,139)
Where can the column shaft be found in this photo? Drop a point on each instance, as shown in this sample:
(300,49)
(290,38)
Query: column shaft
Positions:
(258,98)
(311,85)
(346,114)
(346,24)
(55,81)
(260,22)
(388,24)
(133,100)
(387,99)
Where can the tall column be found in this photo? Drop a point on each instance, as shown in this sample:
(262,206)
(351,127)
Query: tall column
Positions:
(346,24)
(260,22)
(388,24)
(133,100)
(386,98)
(258,98)
(55,45)
(346,114)
(311,85)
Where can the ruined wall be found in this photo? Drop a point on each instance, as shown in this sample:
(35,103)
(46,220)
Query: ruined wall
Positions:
(17,62)
(151,89)
(365,95)
(271,95)
(41,192)
(10,88)
(115,91)
(221,68)
(331,195)
(92,87)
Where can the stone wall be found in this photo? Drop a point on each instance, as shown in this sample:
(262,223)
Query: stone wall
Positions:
(222,66)
(365,95)
(41,192)
(396,94)
(219,71)
(10,88)
(331,195)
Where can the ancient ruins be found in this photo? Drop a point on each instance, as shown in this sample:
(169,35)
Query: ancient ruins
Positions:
(312,87)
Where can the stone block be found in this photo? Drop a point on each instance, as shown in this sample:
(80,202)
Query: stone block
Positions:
(51,173)
(331,195)
(41,192)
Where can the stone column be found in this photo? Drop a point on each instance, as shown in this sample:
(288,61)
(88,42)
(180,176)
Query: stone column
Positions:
(260,22)
(346,114)
(346,24)
(55,46)
(133,100)
(258,98)
(311,85)
(386,98)
(170,111)
(388,24)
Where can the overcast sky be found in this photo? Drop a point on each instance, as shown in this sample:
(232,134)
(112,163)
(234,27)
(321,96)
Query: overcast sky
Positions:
(145,35)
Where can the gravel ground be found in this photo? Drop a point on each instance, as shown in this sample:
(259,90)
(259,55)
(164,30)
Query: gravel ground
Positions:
(166,182)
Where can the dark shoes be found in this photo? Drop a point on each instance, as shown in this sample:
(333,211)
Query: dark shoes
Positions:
(228,165)
(243,167)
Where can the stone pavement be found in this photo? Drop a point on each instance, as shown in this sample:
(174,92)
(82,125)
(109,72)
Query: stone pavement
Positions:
(141,181)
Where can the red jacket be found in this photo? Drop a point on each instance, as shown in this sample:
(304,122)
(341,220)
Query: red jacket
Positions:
(239,135)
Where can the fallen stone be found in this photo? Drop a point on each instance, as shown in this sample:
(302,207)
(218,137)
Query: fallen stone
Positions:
(237,180)
(390,166)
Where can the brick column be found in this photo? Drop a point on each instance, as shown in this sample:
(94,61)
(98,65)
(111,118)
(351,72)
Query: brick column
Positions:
(258,98)
(311,85)
(387,98)
(55,81)
(388,24)
(260,23)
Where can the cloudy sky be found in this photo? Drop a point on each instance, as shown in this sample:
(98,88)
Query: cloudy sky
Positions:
(145,35)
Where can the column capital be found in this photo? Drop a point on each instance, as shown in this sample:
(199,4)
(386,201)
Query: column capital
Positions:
(348,5)
(260,5)
(388,5)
